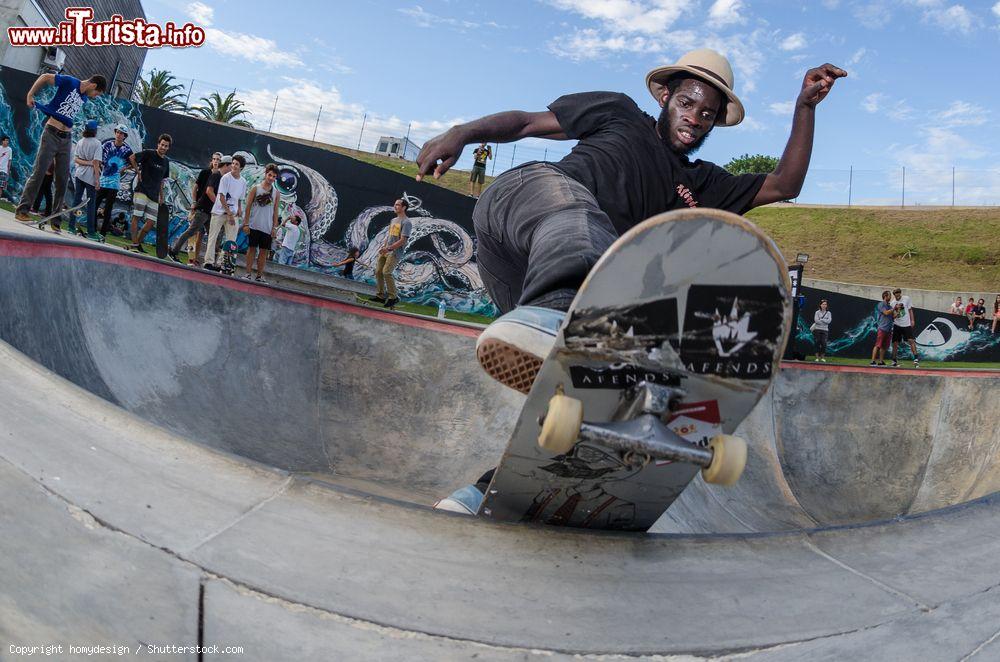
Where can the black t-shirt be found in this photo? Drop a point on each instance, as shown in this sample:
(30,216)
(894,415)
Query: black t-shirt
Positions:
(632,173)
(203,203)
(153,168)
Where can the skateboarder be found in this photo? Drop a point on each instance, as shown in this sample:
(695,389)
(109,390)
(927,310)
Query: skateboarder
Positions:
(154,169)
(903,324)
(56,142)
(542,226)
(388,255)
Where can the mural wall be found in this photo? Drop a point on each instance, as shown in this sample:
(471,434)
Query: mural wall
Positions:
(939,336)
(344,202)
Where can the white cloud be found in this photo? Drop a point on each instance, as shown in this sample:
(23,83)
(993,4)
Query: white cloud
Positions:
(858,55)
(793,42)
(425,19)
(649,17)
(962,113)
(955,18)
(250,47)
(873,15)
(878,102)
(831,4)
(782,107)
(726,12)
(996,10)
(201,13)
(299,100)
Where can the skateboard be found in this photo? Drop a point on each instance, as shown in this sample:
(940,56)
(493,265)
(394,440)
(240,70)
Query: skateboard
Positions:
(228,257)
(671,340)
(56,227)
(366,300)
(162,230)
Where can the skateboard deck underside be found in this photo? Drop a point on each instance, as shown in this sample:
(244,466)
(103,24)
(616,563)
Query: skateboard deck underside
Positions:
(696,300)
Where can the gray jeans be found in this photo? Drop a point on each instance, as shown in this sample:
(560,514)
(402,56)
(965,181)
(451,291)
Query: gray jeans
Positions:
(195,225)
(539,234)
(51,146)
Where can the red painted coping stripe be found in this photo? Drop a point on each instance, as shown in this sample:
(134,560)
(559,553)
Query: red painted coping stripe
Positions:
(27,248)
(31,248)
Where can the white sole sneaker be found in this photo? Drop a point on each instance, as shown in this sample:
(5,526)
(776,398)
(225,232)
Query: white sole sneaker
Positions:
(512,349)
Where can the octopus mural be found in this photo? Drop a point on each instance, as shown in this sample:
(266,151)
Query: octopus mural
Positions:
(439,260)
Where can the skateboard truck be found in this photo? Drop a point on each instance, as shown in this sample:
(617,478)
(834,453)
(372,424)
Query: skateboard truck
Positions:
(640,434)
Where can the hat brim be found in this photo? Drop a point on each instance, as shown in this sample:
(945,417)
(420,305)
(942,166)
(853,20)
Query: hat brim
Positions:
(656,81)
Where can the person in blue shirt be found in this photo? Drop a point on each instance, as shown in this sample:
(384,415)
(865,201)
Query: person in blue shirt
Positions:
(56,143)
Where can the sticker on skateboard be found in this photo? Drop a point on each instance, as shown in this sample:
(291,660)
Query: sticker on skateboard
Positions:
(671,340)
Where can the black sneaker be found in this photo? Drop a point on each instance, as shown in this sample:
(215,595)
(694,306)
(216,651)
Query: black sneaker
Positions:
(873,364)
(895,364)
(376,299)
(172,256)
(881,363)
(211,267)
(390,303)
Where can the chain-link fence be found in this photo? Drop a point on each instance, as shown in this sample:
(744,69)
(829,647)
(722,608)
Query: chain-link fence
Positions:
(304,110)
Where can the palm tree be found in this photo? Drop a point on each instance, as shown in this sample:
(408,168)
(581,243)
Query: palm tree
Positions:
(229,110)
(160,91)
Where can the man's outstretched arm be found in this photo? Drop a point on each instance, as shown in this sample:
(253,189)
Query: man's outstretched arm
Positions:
(441,153)
(42,81)
(786,180)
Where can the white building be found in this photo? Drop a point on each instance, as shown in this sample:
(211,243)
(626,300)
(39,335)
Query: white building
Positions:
(394,147)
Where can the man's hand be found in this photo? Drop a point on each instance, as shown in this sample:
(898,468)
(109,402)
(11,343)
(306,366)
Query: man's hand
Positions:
(446,148)
(230,218)
(31,100)
(818,83)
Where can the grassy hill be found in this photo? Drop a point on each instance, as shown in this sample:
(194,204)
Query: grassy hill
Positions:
(937,249)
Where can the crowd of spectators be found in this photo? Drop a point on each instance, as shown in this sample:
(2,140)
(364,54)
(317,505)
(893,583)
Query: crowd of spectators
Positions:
(977,311)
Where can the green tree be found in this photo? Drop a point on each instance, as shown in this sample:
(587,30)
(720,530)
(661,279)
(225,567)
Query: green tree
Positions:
(756,164)
(228,110)
(160,91)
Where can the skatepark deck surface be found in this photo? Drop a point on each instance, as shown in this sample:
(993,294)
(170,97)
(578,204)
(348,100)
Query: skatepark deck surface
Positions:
(192,459)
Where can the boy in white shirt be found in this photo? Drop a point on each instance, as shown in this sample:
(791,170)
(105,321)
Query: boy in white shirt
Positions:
(290,240)
(228,207)
(903,326)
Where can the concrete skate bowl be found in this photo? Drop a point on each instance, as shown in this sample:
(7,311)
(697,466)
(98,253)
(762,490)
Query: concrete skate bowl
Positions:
(253,466)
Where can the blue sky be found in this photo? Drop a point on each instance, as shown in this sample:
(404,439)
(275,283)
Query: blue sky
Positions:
(922,91)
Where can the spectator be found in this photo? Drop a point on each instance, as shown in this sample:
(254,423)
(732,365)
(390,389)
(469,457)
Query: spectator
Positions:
(56,141)
(389,254)
(884,325)
(957,308)
(969,307)
(289,241)
(348,262)
(86,174)
(154,168)
(996,314)
(903,323)
(226,209)
(203,194)
(478,176)
(6,154)
(978,313)
(116,156)
(261,221)
(45,192)
(821,329)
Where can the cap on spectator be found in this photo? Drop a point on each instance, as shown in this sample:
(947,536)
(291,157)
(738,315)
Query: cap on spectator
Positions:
(91,125)
(122,128)
(226,159)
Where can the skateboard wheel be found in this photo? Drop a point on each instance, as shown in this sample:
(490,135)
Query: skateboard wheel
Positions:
(729,457)
(561,426)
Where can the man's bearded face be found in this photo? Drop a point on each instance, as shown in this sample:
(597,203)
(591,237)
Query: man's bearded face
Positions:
(689,115)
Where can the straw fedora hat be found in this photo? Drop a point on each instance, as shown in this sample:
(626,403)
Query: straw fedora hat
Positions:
(709,66)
